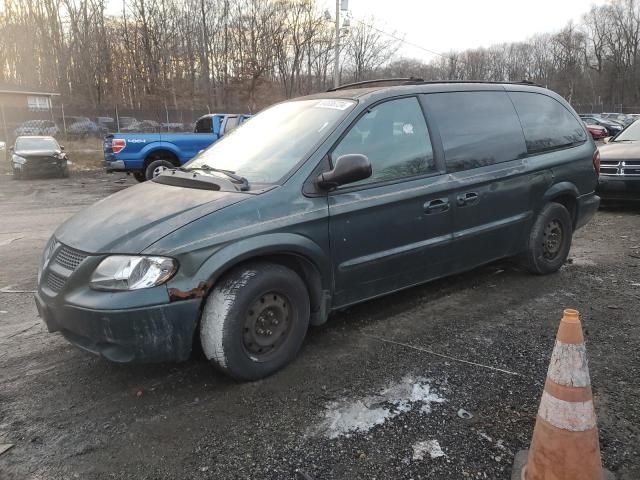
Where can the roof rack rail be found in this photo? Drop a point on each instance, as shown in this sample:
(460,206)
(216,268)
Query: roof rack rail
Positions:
(400,81)
(419,81)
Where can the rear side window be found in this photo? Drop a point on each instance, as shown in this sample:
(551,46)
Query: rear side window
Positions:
(477,128)
(547,124)
(204,125)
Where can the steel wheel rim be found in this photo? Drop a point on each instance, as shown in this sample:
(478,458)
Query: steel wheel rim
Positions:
(158,170)
(267,326)
(552,239)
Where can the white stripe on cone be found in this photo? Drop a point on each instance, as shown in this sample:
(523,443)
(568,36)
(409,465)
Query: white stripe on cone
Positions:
(569,366)
(573,416)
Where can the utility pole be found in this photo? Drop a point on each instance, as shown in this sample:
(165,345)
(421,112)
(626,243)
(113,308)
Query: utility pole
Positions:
(341,5)
(336,66)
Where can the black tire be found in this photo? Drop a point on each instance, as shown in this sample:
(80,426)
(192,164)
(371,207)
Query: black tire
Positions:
(155,167)
(549,241)
(140,176)
(235,314)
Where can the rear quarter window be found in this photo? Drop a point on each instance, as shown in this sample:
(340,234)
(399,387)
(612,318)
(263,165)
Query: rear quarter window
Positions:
(547,124)
(477,128)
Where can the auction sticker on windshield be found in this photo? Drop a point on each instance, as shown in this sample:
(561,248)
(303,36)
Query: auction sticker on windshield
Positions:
(334,104)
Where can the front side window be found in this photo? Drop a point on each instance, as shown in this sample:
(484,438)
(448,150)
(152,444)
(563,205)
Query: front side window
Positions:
(547,124)
(395,139)
(477,128)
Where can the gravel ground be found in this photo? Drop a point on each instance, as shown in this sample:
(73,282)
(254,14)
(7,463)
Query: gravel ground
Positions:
(353,405)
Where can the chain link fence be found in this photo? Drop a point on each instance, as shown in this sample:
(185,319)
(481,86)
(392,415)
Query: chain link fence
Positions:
(82,131)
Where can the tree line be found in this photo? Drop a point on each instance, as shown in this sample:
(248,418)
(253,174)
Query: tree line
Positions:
(185,53)
(245,54)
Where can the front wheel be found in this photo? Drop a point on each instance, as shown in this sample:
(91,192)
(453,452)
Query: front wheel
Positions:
(549,241)
(255,320)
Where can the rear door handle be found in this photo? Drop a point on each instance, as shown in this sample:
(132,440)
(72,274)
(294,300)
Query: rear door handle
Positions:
(468,198)
(438,205)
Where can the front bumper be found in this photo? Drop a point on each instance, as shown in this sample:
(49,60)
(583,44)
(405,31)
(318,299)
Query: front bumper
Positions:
(587,207)
(618,187)
(40,167)
(159,333)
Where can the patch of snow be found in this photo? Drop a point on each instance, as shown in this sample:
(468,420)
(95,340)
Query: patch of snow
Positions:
(348,416)
(432,447)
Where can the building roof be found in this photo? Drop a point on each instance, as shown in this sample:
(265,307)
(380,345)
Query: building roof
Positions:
(20,90)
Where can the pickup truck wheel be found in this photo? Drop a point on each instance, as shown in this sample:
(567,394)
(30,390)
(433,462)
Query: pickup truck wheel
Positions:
(156,167)
(549,241)
(255,320)
(140,176)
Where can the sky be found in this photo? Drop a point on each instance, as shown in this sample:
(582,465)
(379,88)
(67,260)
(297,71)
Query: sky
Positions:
(445,25)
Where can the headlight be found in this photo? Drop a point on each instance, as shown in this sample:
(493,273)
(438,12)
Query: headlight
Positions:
(124,272)
(18,159)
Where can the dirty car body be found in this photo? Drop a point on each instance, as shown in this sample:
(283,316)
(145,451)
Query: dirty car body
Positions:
(415,196)
(620,165)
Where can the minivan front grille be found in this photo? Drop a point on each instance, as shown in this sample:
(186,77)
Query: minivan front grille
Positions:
(620,167)
(69,258)
(55,278)
(55,282)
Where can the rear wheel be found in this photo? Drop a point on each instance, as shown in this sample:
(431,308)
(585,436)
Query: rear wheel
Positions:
(156,167)
(255,320)
(550,240)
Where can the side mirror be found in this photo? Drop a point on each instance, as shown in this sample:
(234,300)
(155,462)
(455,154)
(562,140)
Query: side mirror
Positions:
(607,139)
(348,169)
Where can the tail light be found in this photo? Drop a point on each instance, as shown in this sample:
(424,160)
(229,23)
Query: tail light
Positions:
(596,161)
(118,144)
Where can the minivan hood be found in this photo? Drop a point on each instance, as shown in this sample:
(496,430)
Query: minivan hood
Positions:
(134,218)
(620,151)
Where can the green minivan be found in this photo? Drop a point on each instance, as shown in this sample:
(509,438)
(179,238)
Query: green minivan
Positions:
(315,204)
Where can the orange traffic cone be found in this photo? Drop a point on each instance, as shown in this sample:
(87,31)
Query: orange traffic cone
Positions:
(565,439)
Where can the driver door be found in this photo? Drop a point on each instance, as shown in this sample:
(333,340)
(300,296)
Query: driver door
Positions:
(393,229)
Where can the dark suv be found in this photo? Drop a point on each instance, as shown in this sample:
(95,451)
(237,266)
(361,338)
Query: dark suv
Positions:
(357,193)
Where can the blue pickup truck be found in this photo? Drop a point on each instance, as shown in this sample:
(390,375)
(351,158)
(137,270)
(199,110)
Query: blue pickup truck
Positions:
(145,155)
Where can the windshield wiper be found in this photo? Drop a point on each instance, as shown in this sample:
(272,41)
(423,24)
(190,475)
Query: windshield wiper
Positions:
(244,183)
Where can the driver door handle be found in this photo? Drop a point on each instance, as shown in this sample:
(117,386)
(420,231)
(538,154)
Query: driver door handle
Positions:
(438,205)
(468,198)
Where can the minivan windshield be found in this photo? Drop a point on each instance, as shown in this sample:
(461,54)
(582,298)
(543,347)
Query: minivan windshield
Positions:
(35,143)
(630,134)
(265,147)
